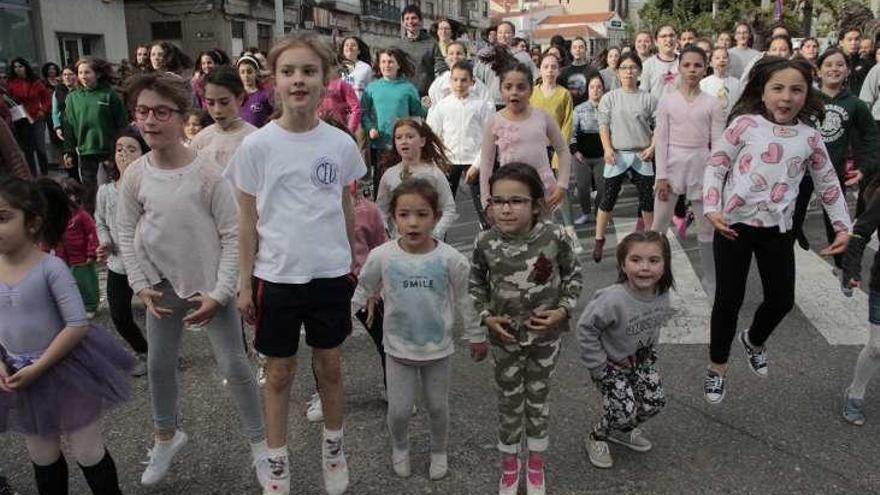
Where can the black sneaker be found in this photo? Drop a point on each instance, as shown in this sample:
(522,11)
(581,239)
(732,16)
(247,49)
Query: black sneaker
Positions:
(713,387)
(757,358)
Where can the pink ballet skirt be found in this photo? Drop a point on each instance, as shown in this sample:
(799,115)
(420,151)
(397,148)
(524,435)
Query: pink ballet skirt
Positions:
(91,379)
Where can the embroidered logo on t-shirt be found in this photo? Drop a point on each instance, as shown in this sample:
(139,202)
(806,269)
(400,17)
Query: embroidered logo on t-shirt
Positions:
(325,172)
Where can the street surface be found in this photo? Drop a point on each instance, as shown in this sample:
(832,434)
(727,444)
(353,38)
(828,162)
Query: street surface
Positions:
(780,435)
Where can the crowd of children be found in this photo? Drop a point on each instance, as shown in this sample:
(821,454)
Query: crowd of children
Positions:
(276,146)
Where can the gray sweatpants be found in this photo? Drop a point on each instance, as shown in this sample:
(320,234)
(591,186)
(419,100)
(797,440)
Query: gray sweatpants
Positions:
(404,381)
(224,332)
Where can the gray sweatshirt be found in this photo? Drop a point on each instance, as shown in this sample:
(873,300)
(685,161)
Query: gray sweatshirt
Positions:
(617,323)
(629,115)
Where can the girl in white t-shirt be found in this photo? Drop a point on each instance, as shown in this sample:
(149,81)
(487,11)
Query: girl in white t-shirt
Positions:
(720,84)
(421,154)
(224,94)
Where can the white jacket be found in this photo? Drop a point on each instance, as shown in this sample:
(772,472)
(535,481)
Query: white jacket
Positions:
(459,124)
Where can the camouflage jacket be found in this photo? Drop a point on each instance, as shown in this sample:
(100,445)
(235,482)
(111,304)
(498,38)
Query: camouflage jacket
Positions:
(512,276)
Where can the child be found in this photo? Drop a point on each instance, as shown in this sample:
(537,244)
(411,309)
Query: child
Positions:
(341,103)
(587,149)
(223,98)
(618,332)
(525,281)
(193,123)
(442,85)
(355,64)
(170,200)
(129,147)
(423,283)
(421,154)
(290,176)
(749,186)
(720,84)
(79,246)
(848,129)
(520,133)
(689,123)
(257,107)
(626,118)
(57,374)
(869,358)
(458,119)
(384,101)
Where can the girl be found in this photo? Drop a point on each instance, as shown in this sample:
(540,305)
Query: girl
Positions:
(520,133)
(869,358)
(93,115)
(290,177)
(57,374)
(778,46)
(167,57)
(421,154)
(193,123)
(224,94)
(458,120)
(423,283)
(442,85)
(720,84)
(444,35)
(79,246)
(587,149)
(490,65)
(355,64)
(129,147)
(749,186)
(384,101)
(626,117)
(206,62)
(618,332)
(689,123)
(557,102)
(609,73)
(341,103)
(847,129)
(525,281)
(724,40)
(170,200)
(810,50)
(26,88)
(257,106)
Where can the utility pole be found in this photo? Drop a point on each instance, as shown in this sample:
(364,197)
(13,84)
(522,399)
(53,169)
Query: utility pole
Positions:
(279,18)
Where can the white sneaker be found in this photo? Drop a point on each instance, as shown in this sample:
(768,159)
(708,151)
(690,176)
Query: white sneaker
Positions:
(400,463)
(274,475)
(315,412)
(161,456)
(334,465)
(140,366)
(439,466)
(599,453)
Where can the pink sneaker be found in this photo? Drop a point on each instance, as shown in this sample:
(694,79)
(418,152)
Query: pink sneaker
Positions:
(509,484)
(680,226)
(535,474)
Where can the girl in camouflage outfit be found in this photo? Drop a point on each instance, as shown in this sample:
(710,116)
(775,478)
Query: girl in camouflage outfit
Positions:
(525,281)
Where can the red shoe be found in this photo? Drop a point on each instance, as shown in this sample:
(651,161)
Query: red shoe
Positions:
(680,226)
(509,483)
(535,475)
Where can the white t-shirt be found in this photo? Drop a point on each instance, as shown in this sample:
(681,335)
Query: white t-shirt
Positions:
(298,180)
(219,144)
(727,90)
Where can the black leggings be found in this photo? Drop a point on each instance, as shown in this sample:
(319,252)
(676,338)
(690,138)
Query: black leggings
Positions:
(119,298)
(774,253)
(644,184)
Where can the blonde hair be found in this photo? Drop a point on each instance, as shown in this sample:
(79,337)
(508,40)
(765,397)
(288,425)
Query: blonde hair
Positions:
(308,40)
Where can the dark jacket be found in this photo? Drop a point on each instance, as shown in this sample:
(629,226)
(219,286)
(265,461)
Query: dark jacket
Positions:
(421,53)
(848,122)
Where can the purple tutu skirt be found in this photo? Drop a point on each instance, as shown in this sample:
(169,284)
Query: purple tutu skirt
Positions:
(92,378)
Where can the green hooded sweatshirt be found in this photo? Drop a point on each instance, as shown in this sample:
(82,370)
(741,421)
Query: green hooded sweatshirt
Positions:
(848,123)
(92,118)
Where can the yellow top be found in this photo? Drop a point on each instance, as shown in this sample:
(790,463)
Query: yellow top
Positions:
(558,105)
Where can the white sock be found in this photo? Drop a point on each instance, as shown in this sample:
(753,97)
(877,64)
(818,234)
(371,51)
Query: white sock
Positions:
(279,452)
(331,446)
(867,364)
(259,449)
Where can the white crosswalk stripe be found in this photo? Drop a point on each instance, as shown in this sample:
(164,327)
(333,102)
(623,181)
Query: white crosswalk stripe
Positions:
(689,319)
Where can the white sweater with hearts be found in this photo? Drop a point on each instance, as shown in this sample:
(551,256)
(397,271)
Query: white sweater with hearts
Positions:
(754,172)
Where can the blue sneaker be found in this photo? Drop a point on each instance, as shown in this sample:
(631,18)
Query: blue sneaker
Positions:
(853,409)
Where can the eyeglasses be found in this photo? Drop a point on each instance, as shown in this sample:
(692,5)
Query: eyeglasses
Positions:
(628,68)
(514,202)
(162,113)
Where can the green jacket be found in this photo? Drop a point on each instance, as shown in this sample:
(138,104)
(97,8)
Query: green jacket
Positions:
(848,122)
(92,118)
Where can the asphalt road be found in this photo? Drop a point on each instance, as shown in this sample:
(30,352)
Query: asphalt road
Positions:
(779,435)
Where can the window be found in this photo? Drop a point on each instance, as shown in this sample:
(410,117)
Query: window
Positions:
(73,46)
(264,37)
(237,36)
(16,32)
(166,30)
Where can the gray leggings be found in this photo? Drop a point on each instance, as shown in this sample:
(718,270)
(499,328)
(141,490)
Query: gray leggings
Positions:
(224,332)
(404,381)
(588,174)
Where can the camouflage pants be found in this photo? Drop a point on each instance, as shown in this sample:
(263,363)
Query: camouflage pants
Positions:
(630,396)
(522,376)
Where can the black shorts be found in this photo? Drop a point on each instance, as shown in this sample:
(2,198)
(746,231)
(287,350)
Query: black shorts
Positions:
(323,305)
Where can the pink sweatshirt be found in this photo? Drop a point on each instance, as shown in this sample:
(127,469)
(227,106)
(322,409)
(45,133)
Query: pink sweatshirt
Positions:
(524,141)
(341,102)
(369,232)
(754,173)
(682,124)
